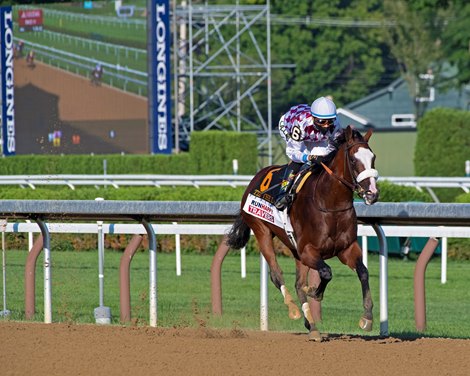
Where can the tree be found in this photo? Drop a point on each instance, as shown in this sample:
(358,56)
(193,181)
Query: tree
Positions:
(456,42)
(415,39)
(334,51)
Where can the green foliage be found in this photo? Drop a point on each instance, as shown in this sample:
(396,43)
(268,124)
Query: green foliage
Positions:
(456,45)
(442,144)
(344,62)
(211,152)
(463,198)
(125,193)
(214,151)
(459,249)
(390,192)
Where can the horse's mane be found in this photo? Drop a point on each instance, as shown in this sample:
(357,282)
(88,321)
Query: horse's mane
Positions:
(341,140)
(356,135)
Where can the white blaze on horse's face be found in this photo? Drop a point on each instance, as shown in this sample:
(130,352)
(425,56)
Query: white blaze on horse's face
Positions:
(366,157)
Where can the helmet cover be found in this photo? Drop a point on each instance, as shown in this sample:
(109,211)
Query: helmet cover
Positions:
(323,108)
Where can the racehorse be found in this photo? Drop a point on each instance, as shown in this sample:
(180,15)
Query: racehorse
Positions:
(30,60)
(324,224)
(96,75)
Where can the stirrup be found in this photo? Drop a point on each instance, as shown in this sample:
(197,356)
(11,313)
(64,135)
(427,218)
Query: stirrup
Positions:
(283,201)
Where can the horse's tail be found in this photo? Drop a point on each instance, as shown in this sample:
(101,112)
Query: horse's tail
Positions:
(239,234)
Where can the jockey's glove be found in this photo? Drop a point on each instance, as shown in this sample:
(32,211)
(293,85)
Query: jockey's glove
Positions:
(317,158)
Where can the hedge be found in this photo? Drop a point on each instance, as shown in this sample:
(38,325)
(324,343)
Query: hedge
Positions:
(210,152)
(443,143)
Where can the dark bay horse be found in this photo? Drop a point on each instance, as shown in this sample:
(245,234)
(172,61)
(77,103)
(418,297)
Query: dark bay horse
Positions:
(324,223)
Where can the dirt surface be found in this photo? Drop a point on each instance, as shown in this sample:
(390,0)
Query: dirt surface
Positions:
(105,119)
(68,349)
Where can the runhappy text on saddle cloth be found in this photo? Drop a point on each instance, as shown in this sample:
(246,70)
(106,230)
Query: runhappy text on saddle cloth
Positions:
(264,210)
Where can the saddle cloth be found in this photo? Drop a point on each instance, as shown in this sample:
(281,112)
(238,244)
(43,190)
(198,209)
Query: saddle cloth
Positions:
(260,201)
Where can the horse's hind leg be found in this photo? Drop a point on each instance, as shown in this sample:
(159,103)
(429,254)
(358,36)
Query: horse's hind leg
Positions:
(309,257)
(352,257)
(265,242)
(301,286)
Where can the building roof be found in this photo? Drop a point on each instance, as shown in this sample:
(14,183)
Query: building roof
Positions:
(392,108)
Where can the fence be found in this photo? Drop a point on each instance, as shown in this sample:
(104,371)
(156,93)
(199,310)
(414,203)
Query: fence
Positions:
(116,181)
(457,215)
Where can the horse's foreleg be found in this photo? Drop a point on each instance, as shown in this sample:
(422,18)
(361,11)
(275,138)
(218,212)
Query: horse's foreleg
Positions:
(301,286)
(366,320)
(352,257)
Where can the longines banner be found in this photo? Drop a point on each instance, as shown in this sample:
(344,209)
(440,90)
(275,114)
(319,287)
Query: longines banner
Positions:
(162,139)
(6,80)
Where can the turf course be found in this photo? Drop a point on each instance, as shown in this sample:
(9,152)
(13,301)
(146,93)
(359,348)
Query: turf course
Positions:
(185,301)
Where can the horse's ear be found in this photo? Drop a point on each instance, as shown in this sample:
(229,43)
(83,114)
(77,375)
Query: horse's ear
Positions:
(367,135)
(349,132)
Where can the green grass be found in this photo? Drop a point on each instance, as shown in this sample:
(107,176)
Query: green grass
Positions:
(186,300)
(119,31)
(89,49)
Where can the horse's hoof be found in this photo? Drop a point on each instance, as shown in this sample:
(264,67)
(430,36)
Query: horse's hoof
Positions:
(365,324)
(315,336)
(294,313)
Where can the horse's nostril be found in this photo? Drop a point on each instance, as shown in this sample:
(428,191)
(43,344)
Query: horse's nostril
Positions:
(371,196)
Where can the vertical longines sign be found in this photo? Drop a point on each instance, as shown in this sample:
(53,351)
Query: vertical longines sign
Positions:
(6,70)
(162,139)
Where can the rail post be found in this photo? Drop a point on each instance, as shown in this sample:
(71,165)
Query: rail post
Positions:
(124,278)
(419,283)
(383,275)
(47,271)
(152,272)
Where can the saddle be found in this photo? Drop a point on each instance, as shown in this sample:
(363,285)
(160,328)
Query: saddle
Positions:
(269,187)
(259,198)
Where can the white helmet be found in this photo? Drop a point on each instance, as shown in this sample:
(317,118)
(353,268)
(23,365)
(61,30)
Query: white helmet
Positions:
(323,108)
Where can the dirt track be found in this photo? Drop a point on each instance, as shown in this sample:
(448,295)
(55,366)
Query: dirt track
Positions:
(48,99)
(61,349)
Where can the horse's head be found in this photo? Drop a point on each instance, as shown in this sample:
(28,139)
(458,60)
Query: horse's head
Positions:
(361,163)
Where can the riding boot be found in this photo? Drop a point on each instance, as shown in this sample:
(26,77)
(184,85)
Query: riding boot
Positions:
(285,197)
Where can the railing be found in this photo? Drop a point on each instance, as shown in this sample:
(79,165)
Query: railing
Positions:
(91,19)
(117,180)
(145,212)
(429,182)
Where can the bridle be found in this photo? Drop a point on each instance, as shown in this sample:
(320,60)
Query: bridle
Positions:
(354,186)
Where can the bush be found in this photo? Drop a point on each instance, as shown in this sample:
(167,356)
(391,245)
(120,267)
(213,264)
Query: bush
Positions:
(442,149)
(210,152)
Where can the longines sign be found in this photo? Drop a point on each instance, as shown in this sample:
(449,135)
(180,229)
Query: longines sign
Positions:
(6,65)
(161,89)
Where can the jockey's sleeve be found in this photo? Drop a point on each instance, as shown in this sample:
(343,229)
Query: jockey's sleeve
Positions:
(283,128)
(296,151)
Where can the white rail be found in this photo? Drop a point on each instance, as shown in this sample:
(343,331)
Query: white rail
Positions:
(178,229)
(118,180)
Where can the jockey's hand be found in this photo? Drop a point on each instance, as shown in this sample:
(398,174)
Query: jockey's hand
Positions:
(316,158)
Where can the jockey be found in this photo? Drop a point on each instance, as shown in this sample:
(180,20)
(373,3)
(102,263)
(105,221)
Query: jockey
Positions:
(310,133)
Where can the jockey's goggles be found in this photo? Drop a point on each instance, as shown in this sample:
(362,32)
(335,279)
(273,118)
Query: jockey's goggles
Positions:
(324,122)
